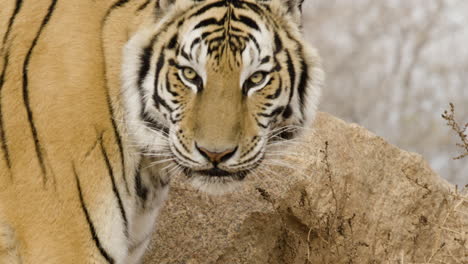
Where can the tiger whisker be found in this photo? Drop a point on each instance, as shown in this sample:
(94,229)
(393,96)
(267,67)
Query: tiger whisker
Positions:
(282,152)
(161,161)
(283,165)
(177,172)
(281,129)
(173,169)
(150,154)
(169,166)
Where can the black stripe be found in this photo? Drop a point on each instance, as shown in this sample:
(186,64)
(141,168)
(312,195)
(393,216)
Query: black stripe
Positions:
(18,5)
(176,119)
(210,21)
(157,99)
(208,7)
(292,75)
(6,153)
(118,140)
(143,6)
(249,160)
(117,136)
(168,85)
(206,34)
(247,21)
(235,3)
(278,43)
(94,235)
(216,39)
(253,143)
(26,91)
(181,22)
(184,146)
(173,42)
(254,8)
(155,125)
(116,5)
(236,29)
(261,124)
(277,92)
(211,32)
(181,154)
(159,65)
(266,6)
(145,59)
(184,54)
(198,82)
(265,60)
(286,135)
(301,88)
(277,67)
(206,22)
(114,187)
(304,75)
(140,189)
(195,41)
(273,113)
(254,40)
(287,112)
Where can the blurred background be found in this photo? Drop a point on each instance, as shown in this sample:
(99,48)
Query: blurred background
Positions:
(393,67)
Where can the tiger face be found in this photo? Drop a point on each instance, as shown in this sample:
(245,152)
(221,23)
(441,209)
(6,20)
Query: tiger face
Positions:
(214,83)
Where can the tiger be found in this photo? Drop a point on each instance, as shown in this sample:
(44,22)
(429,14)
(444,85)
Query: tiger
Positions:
(102,103)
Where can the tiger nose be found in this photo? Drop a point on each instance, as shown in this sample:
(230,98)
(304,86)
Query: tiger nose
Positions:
(216,157)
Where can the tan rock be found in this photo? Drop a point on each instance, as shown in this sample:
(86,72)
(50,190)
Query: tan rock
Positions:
(351,198)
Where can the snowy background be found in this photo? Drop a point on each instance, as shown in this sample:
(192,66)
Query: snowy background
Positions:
(393,67)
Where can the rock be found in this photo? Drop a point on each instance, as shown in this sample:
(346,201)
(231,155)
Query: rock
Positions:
(344,195)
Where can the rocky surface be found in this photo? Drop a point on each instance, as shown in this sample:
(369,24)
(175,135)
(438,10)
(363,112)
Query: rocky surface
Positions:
(344,195)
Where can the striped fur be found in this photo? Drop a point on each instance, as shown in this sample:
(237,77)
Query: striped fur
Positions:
(96,114)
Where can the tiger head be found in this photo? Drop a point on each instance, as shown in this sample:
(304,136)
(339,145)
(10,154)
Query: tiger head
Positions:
(212,84)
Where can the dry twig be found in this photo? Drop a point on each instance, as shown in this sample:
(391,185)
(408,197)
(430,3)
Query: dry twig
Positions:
(460,130)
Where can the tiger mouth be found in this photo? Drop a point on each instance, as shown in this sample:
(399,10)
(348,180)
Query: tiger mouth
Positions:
(215,173)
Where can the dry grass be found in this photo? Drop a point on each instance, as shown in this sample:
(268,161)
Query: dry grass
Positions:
(451,236)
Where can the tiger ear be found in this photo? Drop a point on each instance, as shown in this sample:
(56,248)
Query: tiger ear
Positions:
(165,5)
(292,7)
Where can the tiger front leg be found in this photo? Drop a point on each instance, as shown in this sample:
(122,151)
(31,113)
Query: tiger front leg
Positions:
(151,188)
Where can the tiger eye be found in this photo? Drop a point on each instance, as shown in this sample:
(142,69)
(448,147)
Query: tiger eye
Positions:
(189,73)
(256,78)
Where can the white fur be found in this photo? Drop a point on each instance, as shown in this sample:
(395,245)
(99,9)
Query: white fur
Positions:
(215,185)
